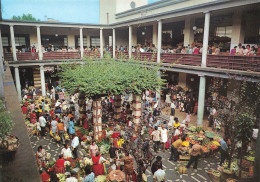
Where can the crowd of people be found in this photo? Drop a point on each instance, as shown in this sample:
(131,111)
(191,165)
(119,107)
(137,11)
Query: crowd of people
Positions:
(59,113)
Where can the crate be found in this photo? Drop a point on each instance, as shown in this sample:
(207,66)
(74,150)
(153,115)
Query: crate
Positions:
(184,157)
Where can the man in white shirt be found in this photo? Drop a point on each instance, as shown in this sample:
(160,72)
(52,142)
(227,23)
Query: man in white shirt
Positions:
(173,108)
(42,122)
(66,152)
(159,175)
(75,145)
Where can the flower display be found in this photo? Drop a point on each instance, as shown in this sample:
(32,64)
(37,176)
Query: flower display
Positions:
(67,163)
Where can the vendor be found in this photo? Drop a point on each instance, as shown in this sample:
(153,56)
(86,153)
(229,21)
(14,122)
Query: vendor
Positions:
(195,153)
(93,149)
(66,152)
(59,165)
(175,147)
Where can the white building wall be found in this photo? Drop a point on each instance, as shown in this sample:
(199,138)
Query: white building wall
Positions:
(108,9)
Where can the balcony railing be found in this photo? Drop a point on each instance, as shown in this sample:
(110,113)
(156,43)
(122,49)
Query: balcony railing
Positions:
(243,63)
(61,55)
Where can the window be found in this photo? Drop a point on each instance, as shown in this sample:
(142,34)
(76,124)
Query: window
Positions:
(5,41)
(20,41)
(65,41)
(224,31)
(84,41)
(95,41)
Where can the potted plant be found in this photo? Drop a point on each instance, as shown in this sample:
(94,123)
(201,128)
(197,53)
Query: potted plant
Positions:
(8,143)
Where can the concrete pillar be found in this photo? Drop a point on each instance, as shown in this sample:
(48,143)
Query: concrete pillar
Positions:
(155,34)
(201,101)
(1,68)
(71,41)
(130,42)
(159,45)
(17,83)
(134,36)
(42,81)
(39,43)
(182,79)
(81,42)
(202,88)
(238,33)
(188,31)
(13,42)
(101,43)
(205,39)
(114,43)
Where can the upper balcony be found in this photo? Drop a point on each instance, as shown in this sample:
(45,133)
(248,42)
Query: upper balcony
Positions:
(240,63)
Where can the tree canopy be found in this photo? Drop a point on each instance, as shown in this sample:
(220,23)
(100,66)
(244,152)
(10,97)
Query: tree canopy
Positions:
(110,76)
(27,17)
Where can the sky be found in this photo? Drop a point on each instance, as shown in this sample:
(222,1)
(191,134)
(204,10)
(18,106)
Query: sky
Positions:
(78,11)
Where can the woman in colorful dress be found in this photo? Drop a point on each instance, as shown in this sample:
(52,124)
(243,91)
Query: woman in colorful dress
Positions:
(41,156)
(128,166)
(93,149)
(98,166)
(59,165)
(33,117)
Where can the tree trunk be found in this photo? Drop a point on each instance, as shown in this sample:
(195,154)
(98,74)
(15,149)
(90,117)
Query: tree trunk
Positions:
(97,118)
(117,104)
(137,109)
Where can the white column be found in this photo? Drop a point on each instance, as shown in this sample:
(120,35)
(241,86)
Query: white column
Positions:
(114,43)
(155,34)
(81,42)
(130,42)
(205,39)
(238,33)
(159,46)
(188,31)
(42,81)
(101,43)
(13,42)
(201,101)
(1,69)
(17,83)
(39,43)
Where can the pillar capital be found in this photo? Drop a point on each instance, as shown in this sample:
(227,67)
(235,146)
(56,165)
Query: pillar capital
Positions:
(11,25)
(41,66)
(200,75)
(206,12)
(16,66)
(80,27)
(101,28)
(38,26)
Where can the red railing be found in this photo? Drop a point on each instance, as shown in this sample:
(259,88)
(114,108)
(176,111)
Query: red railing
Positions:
(61,55)
(145,56)
(244,63)
(22,56)
(184,59)
(92,54)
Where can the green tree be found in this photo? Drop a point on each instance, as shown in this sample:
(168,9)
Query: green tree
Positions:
(237,113)
(95,78)
(27,17)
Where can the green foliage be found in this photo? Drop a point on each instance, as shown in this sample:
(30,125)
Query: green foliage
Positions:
(27,17)
(109,76)
(5,121)
(244,127)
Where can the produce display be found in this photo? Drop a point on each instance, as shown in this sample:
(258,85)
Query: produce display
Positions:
(9,143)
